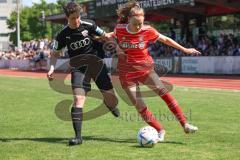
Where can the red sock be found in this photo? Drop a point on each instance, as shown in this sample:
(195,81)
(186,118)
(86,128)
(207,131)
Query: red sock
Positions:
(149,118)
(174,107)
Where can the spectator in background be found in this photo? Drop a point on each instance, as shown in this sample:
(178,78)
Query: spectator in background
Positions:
(236,51)
(172,34)
(176,52)
(155,49)
(1,54)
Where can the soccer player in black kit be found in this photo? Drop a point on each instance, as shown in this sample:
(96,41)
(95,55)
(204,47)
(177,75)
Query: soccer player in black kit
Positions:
(77,37)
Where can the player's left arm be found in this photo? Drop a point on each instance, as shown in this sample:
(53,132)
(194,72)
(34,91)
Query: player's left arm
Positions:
(170,42)
(98,31)
(104,35)
(110,35)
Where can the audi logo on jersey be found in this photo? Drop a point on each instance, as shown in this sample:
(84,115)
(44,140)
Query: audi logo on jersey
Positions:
(80,44)
(128,45)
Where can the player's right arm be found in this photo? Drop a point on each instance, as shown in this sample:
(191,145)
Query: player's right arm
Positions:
(53,60)
(58,44)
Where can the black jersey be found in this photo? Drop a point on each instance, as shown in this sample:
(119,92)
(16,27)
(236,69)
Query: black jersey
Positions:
(78,41)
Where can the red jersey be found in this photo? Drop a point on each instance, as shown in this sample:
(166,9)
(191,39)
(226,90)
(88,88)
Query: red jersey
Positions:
(136,60)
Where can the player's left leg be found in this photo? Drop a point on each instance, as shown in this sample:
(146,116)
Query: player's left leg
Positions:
(111,102)
(135,97)
(153,81)
(104,83)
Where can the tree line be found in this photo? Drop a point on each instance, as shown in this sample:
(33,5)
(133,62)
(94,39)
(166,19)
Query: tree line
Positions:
(32,21)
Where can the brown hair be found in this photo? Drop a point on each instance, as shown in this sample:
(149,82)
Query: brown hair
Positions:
(127,10)
(71,8)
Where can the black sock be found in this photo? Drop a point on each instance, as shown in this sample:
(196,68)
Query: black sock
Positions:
(76,114)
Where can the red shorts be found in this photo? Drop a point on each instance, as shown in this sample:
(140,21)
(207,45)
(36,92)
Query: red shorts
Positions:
(128,81)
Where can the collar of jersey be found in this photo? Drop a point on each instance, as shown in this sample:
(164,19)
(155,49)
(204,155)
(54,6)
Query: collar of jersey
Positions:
(71,28)
(132,32)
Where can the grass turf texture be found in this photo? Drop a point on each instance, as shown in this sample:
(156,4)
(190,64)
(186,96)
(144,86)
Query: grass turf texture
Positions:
(29,128)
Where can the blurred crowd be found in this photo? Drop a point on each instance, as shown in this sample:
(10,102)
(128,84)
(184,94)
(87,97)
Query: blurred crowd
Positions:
(224,45)
(34,50)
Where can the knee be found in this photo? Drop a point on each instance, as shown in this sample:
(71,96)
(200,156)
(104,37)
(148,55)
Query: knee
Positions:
(79,100)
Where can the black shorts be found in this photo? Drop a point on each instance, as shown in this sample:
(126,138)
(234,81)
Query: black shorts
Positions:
(81,78)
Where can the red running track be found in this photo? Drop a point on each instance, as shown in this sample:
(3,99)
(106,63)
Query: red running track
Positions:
(201,81)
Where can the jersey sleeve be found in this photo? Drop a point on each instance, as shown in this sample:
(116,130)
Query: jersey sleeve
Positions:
(94,29)
(117,30)
(59,42)
(154,34)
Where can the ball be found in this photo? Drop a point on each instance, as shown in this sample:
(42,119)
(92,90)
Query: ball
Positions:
(147,136)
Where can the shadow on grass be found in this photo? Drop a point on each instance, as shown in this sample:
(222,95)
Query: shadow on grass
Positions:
(47,140)
(85,138)
(166,142)
(65,140)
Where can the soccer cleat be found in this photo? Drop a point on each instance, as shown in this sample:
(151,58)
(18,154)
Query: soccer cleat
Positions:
(75,141)
(115,112)
(188,128)
(161,135)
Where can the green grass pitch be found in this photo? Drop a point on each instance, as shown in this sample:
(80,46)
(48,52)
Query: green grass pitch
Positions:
(30,129)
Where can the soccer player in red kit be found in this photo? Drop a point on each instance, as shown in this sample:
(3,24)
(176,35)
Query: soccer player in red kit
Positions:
(135,65)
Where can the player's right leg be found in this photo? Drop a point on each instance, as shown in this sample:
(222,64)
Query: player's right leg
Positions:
(77,115)
(153,81)
(80,86)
